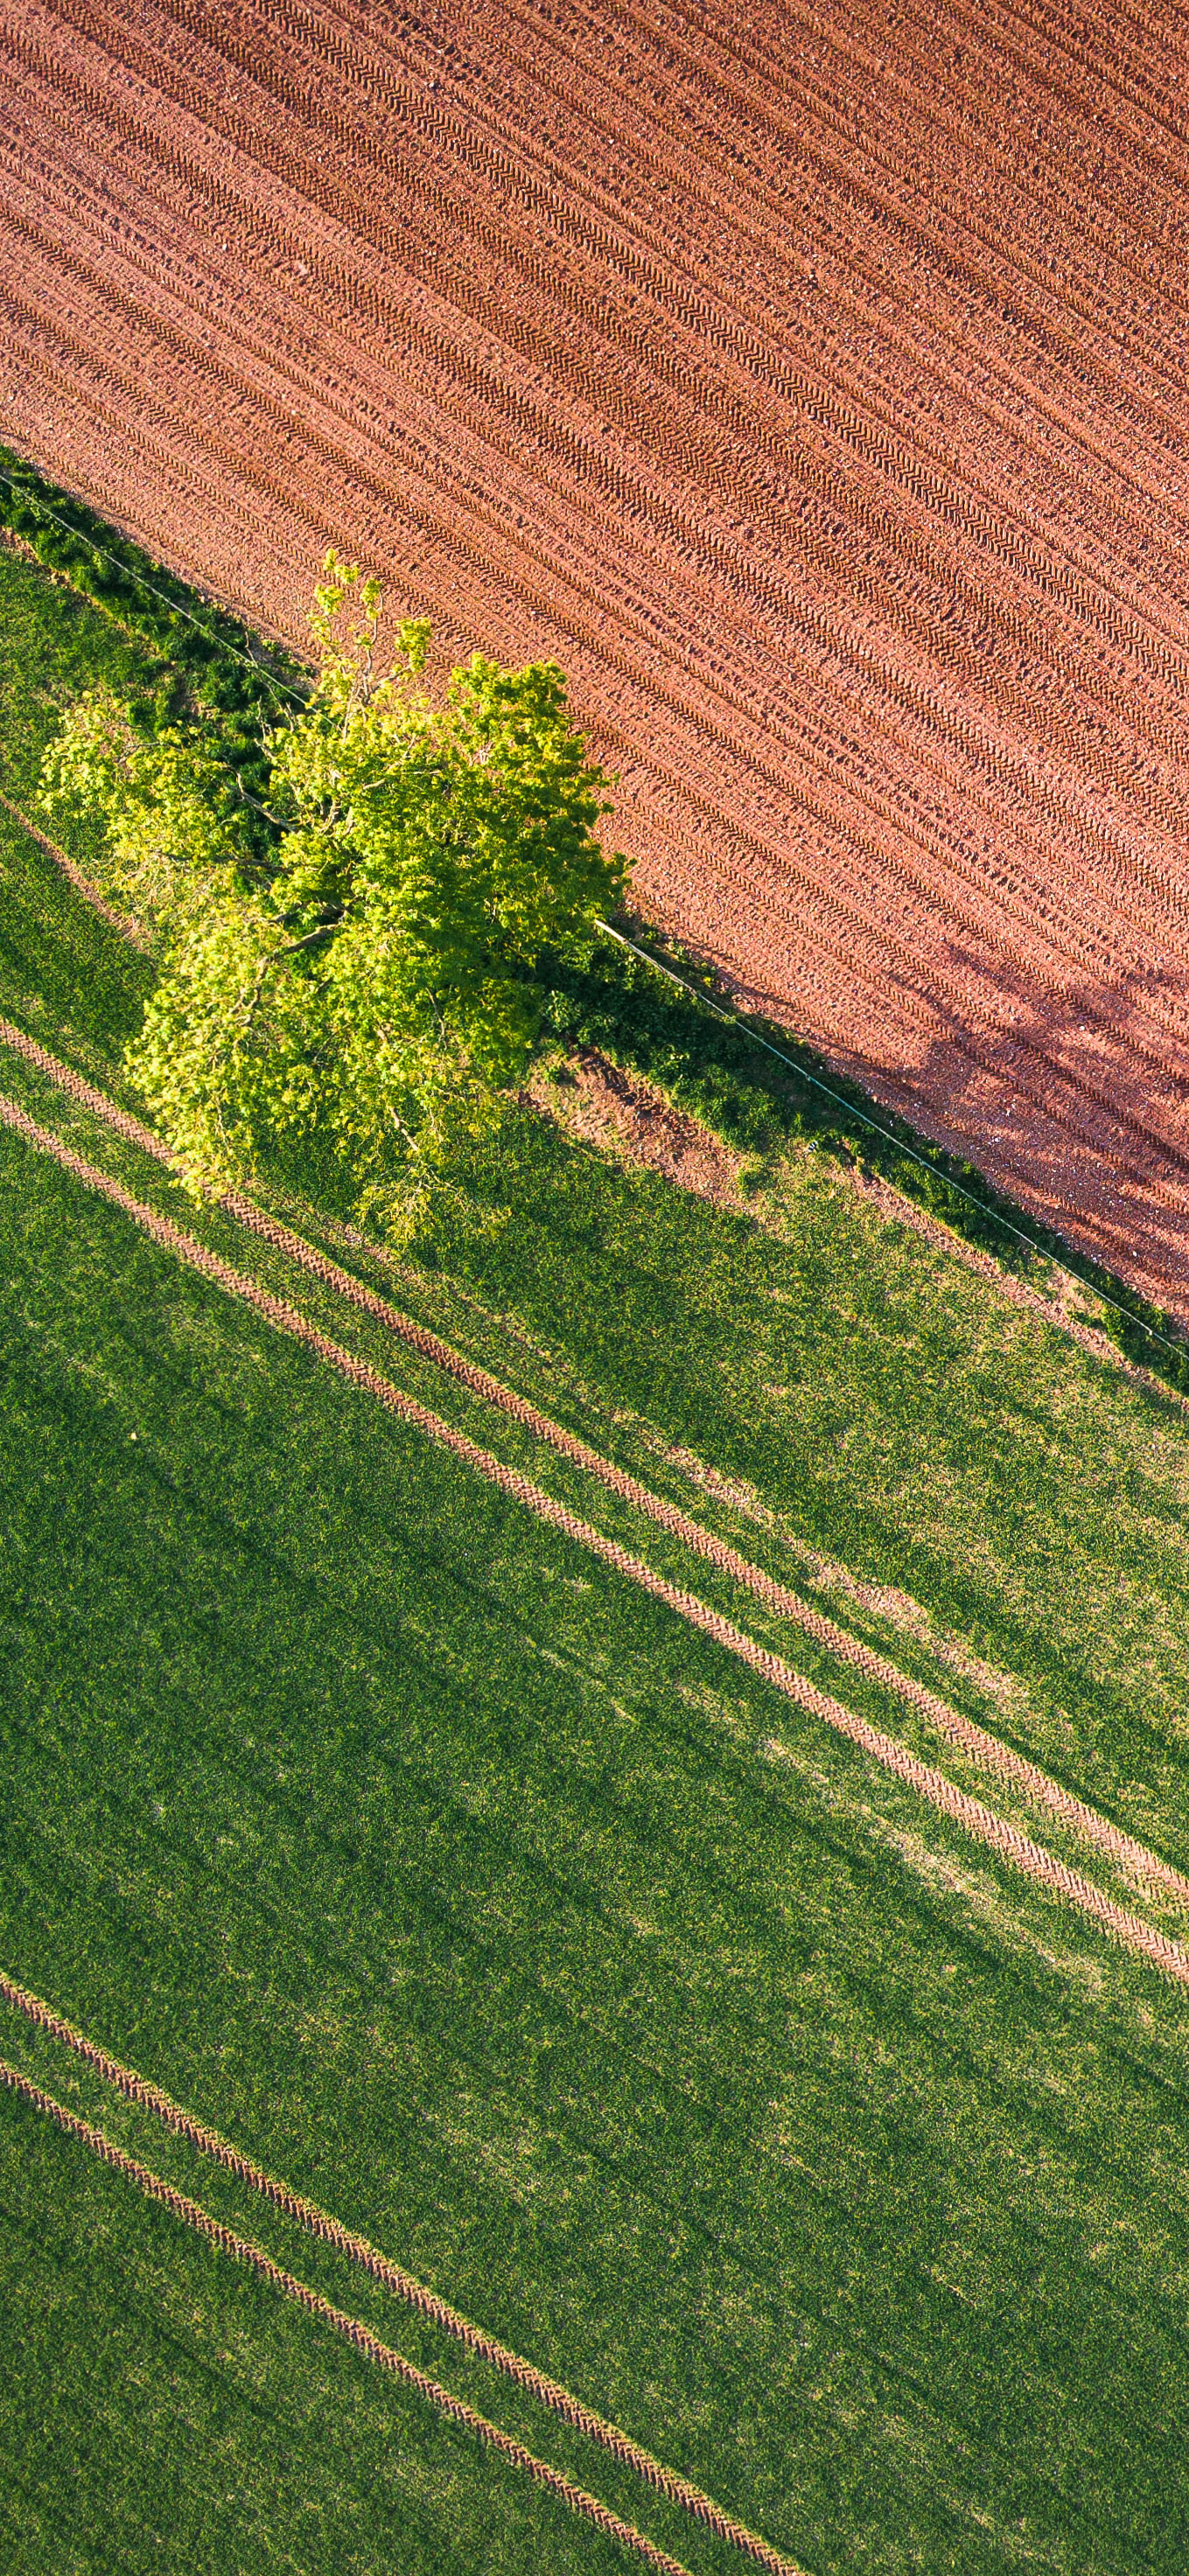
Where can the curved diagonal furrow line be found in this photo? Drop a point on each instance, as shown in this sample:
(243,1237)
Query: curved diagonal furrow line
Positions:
(985,1749)
(999,1836)
(354,2331)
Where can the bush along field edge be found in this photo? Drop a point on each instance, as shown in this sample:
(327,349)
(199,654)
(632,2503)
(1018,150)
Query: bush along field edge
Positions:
(649,1005)
(986,1751)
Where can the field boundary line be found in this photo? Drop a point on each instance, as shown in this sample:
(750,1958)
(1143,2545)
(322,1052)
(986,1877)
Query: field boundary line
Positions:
(744,1021)
(986,1750)
(977,1820)
(353,2329)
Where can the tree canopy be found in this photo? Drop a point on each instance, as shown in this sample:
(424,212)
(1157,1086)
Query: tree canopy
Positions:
(352,953)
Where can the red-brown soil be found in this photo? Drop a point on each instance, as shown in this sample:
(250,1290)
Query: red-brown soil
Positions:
(812,384)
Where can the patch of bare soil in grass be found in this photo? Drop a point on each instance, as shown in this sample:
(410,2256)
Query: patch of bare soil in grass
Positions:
(624,1115)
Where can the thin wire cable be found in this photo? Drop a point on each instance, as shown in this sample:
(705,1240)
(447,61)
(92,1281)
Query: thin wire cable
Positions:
(283,687)
(739,1020)
(733,1019)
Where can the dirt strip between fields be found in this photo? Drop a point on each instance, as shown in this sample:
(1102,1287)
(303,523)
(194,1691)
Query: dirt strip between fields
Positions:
(979,1821)
(351,2328)
(986,1750)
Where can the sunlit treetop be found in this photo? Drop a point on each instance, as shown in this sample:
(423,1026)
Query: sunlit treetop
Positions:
(353,954)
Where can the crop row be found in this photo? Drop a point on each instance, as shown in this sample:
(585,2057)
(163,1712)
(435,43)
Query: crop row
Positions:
(984,1749)
(999,1835)
(908,760)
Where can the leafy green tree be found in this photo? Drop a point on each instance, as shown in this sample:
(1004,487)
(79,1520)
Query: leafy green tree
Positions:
(353,956)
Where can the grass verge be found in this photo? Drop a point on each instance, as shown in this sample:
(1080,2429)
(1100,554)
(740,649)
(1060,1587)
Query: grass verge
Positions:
(518,1925)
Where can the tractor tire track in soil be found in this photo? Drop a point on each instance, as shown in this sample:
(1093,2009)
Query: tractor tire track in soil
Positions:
(980,1822)
(987,1751)
(352,2329)
(306,2213)
(811,386)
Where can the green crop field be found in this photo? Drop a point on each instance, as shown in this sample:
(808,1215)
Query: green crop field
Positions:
(483,1899)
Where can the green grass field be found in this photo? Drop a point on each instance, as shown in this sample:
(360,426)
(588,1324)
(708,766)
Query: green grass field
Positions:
(478,1896)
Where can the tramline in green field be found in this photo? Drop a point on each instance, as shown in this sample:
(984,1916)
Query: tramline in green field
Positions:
(465,1887)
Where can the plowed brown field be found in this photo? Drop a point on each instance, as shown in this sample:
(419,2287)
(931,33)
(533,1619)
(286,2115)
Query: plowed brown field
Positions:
(812,383)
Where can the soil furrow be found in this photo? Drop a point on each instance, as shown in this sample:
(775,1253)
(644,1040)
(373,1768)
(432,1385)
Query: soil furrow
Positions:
(1130,1930)
(357,2333)
(985,1749)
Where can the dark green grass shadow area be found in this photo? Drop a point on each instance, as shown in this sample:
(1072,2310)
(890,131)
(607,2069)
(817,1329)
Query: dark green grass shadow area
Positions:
(94,605)
(894,1412)
(163,2408)
(1101,1765)
(53,647)
(65,974)
(450,1875)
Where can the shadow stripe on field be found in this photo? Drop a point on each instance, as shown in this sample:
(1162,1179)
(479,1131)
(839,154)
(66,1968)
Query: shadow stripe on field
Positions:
(1131,1930)
(986,1750)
